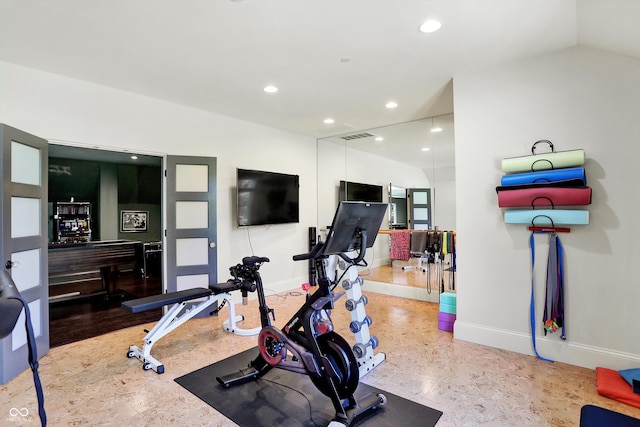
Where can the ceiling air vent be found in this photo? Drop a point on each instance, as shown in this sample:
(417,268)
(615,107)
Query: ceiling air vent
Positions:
(356,136)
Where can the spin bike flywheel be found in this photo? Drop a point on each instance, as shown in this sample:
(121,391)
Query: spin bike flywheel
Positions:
(341,357)
(332,345)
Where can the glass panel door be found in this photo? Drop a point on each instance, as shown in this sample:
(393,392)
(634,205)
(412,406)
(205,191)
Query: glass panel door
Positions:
(23,246)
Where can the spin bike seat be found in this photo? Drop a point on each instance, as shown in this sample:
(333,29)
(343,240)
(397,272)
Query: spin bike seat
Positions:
(252,260)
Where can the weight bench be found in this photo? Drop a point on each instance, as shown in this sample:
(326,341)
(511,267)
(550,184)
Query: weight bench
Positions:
(179,313)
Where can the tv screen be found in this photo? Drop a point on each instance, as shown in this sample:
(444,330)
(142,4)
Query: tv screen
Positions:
(357,192)
(351,218)
(267,197)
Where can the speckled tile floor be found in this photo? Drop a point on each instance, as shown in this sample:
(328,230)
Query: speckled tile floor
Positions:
(93,383)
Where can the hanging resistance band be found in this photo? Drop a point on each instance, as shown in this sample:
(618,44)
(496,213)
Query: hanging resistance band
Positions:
(33,360)
(532,309)
(554,304)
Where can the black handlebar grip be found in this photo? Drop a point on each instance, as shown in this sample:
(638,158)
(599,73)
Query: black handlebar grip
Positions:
(309,255)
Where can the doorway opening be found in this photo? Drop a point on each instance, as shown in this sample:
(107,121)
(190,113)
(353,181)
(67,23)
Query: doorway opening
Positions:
(99,256)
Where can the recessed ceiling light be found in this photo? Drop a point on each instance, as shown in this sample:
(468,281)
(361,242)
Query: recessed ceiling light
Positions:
(391,104)
(134,157)
(270,89)
(430,26)
(328,120)
(436,129)
(426,149)
(378,138)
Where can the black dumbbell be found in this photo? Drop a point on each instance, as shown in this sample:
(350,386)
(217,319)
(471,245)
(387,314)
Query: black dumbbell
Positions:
(356,326)
(361,349)
(347,284)
(351,304)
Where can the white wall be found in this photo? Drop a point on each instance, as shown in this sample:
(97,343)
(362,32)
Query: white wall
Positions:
(56,107)
(577,98)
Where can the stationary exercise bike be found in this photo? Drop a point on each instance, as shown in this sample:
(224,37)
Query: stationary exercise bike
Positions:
(308,344)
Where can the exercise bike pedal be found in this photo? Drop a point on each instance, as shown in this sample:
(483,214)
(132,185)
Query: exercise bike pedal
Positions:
(240,376)
(366,403)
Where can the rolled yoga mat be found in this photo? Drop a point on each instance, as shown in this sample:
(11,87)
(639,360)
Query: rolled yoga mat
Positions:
(551,217)
(572,183)
(552,175)
(544,196)
(537,162)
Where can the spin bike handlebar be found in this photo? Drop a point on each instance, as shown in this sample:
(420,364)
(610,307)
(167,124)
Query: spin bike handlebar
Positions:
(246,274)
(310,255)
(317,250)
(363,250)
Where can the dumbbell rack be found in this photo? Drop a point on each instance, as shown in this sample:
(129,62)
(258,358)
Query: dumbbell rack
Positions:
(352,284)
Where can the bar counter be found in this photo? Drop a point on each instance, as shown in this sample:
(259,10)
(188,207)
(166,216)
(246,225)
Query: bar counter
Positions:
(109,257)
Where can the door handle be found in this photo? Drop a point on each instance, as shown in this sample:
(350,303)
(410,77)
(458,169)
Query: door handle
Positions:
(9,264)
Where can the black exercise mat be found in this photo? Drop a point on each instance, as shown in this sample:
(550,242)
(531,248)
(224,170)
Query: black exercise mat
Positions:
(281,398)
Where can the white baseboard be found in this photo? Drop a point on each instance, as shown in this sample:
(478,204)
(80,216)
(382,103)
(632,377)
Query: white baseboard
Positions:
(549,347)
(420,294)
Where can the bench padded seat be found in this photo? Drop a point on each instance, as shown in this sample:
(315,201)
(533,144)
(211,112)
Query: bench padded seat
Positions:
(157,301)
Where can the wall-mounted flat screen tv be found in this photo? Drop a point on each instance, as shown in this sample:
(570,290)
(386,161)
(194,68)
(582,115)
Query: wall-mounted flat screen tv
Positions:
(267,197)
(358,192)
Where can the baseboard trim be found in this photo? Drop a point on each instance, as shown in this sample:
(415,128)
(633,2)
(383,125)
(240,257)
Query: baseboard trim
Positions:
(551,347)
(420,294)
(411,292)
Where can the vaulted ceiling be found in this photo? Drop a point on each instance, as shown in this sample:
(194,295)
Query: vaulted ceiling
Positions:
(343,59)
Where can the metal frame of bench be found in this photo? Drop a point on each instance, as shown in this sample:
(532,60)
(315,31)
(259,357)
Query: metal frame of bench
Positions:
(179,313)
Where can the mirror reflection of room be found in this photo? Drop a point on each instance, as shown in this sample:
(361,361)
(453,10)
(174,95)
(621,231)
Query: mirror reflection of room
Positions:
(397,208)
(414,163)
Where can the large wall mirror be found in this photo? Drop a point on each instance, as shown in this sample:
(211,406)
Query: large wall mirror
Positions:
(410,164)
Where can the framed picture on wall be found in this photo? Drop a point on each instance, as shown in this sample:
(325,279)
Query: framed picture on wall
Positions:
(134,221)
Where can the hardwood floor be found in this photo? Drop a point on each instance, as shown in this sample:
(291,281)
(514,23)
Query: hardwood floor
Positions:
(79,319)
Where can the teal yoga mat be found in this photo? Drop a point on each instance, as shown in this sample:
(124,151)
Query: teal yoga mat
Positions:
(546,217)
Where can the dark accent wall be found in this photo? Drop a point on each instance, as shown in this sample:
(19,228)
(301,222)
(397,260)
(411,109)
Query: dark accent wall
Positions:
(138,188)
